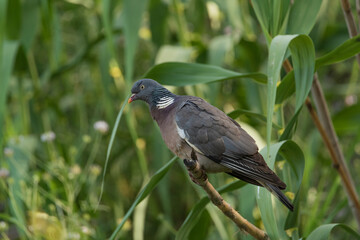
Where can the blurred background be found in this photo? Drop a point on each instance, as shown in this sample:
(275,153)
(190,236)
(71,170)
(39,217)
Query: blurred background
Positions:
(68,66)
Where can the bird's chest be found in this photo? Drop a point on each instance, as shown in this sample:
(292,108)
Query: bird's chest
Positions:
(172,139)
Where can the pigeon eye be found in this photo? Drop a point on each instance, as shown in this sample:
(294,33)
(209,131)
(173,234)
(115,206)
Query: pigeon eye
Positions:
(142,87)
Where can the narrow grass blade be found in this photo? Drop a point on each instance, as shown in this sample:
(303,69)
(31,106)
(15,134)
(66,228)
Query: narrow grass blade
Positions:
(158,13)
(7,59)
(107,22)
(3,6)
(112,138)
(192,218)
(13,21)
(182,74)
(324,231)
(19,164)
(30,22)
(154,181)
(133,11)
(139,220)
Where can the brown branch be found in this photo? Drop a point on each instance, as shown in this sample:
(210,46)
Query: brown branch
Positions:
(200,178)
(350,22)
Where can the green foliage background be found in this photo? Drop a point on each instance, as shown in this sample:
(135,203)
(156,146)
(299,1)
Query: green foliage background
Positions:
(66,65)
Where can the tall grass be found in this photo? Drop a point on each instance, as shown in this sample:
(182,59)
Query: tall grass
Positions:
(67,68)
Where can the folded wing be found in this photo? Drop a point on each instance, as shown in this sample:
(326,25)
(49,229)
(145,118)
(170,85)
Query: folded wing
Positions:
(212,133)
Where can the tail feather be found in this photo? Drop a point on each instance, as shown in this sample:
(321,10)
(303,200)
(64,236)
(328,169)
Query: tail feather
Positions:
(279,195)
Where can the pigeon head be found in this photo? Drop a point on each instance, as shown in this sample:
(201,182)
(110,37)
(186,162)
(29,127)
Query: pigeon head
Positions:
(151,92)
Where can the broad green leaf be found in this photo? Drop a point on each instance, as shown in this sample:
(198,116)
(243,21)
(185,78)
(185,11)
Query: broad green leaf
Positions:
(303,56)
(7,59)
(133,11)
(276,55)
(112,138)
(154,181)
(302,16)
(238,112)
(195,213)
(343,52)
(324,231)
(274,220)
(182,74)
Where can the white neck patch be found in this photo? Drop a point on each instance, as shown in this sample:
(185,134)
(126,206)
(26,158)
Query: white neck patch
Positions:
(164,102)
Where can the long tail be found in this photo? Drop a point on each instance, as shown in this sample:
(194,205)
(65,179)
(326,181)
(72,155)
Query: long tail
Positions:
(279,195)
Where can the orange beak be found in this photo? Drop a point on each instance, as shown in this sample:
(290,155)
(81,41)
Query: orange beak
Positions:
(131,98)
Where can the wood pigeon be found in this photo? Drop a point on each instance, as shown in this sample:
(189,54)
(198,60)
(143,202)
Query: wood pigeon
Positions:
(189,123)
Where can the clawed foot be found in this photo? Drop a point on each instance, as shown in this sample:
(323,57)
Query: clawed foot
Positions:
(196,173)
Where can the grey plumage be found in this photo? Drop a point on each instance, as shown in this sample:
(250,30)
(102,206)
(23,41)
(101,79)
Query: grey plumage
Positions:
(190,123)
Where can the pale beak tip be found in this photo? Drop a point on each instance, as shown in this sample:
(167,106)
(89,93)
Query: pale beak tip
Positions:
(131,98)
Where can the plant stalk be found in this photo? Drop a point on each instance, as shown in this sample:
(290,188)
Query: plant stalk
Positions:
(358,11)
(338,158)
(350,22)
